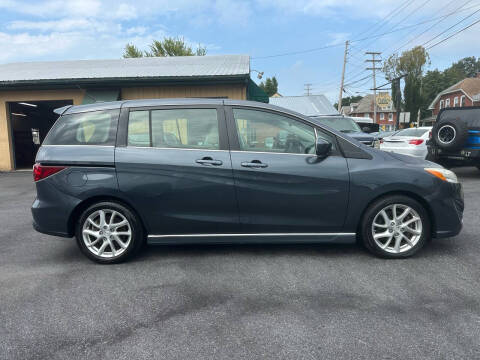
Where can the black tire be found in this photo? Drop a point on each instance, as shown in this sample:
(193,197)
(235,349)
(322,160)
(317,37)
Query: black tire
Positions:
(450,134)
(382,203)
(137,235)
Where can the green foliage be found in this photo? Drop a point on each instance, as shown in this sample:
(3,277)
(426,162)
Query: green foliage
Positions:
(131,51)
(168,46)
(410,65)
(270,86)
(348,100)
(436,81)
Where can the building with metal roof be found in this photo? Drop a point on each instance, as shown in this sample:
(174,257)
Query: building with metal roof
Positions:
(311,105)
(29,91)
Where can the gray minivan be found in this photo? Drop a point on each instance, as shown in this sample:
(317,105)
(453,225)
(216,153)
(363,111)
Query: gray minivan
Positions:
(119,174)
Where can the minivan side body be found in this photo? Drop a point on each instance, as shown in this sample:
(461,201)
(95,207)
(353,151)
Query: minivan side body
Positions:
(210,170)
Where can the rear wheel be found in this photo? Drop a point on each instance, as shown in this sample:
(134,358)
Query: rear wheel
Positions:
(395,227)
(108,232)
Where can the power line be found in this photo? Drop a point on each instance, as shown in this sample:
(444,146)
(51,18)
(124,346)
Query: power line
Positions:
(404,18)
(435,24)
(298,52)
(357,81)
(386,17)
(451,27)
(305,51)
(454,34)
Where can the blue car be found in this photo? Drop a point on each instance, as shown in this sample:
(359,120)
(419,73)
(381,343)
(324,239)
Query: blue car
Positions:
(121,174)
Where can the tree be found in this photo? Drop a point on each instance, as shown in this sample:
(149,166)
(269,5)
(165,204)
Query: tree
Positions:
(131,51)
(436,81)
(270,86)
(168,46)
(410,65)
(348,100)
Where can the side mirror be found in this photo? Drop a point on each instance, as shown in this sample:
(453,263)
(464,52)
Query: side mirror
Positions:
(323,147)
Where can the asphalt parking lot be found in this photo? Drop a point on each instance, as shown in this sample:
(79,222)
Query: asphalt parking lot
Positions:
(235,302)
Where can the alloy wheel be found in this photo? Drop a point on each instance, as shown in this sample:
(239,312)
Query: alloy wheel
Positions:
(106,233)
(397,228)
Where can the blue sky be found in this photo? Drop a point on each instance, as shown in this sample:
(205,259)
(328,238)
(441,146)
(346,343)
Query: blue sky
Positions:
(89,29)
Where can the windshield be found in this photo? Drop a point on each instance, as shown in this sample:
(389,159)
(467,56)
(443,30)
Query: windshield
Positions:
(411,132)
(343,124)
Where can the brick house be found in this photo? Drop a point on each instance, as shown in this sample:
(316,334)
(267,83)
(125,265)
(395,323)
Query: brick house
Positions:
(463,93)
(386,114)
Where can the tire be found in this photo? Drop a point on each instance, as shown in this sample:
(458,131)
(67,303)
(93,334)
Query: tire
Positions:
(450,134)
(393,232)
(96,237)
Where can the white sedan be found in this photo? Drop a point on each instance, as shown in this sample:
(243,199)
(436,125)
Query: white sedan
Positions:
(411,141)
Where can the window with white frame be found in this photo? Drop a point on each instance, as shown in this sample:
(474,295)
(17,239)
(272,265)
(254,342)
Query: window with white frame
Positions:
(462,100)
(390,117)
(447,102)
(382,116)
(455,101)
(441,104)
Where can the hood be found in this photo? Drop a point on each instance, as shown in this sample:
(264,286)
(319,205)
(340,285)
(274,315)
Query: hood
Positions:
(411,160)
(360,136)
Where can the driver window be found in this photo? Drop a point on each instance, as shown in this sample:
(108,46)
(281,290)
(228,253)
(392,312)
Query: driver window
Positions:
(267,132)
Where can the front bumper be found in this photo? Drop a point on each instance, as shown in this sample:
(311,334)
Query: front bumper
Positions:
(448,211)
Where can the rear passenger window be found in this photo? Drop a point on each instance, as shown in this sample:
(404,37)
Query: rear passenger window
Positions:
(139,128)
(87,128)
(174,128)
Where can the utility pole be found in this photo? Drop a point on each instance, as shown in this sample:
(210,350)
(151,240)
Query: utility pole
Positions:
(374,68)
(308,89)
(343,77)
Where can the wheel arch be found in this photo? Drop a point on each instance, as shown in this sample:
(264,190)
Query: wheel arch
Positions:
(84,204)
(406,193)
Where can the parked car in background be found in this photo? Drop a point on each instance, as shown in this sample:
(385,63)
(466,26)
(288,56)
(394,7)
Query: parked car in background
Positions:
(411,141)
(456,138)
(348,126)
(179,171)
(366,124)
(380,135)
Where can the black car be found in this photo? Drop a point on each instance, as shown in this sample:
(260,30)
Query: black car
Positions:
(456,137)
(119,174)
(347,126)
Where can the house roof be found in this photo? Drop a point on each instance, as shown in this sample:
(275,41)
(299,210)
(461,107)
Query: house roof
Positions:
(365,105)
(469,86)
(148,68)
(312,105)
(345,109)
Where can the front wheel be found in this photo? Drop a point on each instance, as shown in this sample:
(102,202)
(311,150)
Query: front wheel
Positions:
(108,232)
(395,227)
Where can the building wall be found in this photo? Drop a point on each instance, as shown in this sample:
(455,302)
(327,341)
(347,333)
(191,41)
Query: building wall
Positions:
(451,96)
(6,153)
(385,120)
(230,91)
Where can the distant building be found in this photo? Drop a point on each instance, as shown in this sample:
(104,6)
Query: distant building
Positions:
(30,91)
(386,112)
(464,93)
(311,105)
(276,95)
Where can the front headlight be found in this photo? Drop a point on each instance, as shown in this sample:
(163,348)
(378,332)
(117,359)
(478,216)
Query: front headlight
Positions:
(376,144)
(443,174)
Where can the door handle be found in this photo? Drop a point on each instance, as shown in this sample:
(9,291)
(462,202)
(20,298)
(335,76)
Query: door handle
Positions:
(207,160)
(254,164)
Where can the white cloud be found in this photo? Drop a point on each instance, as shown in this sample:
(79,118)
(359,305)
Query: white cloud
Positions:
(126,12)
